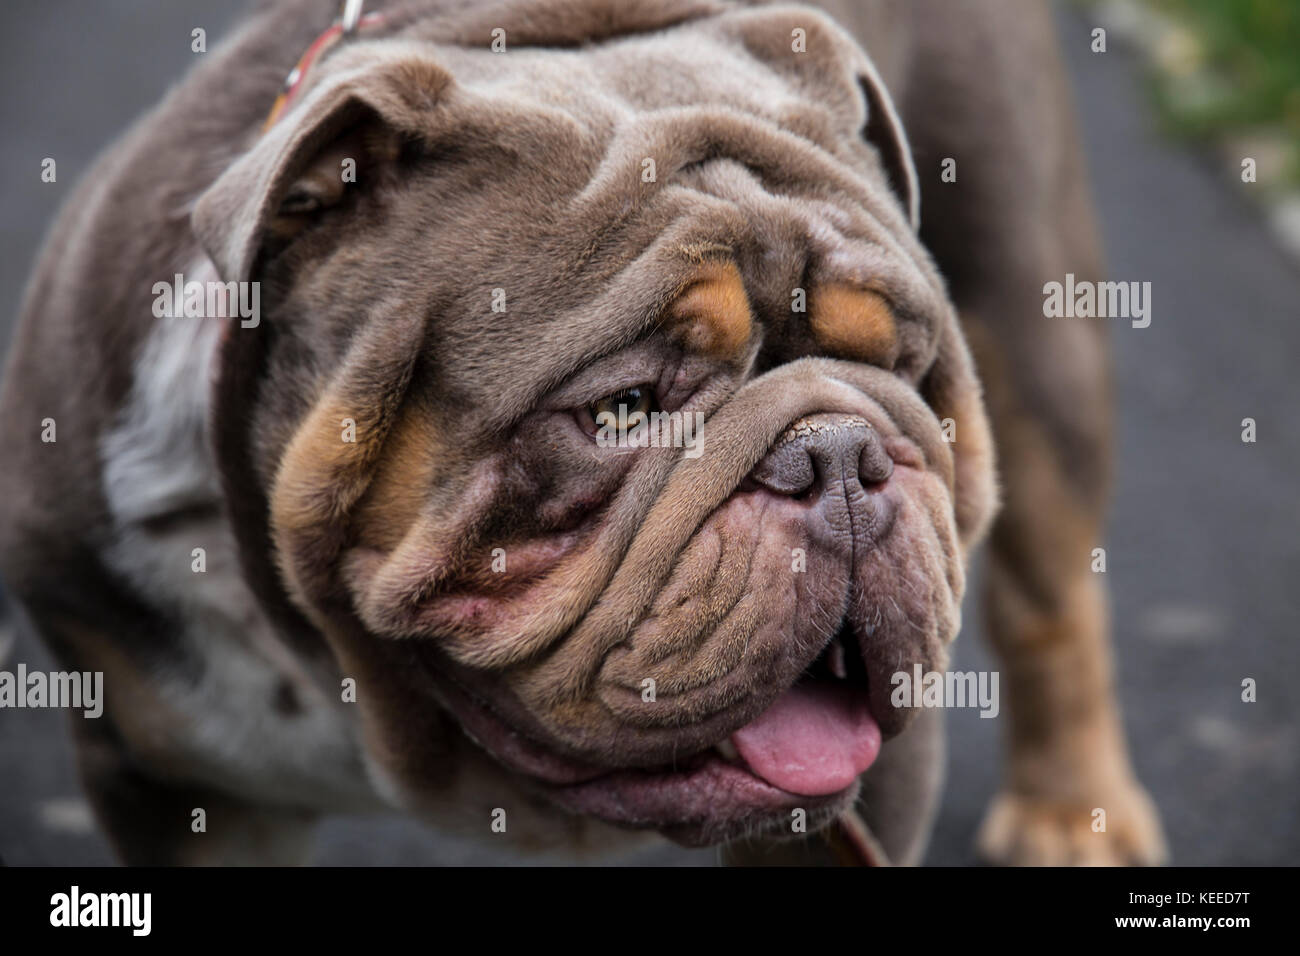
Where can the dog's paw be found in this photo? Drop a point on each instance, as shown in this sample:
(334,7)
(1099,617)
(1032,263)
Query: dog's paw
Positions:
(1032,830)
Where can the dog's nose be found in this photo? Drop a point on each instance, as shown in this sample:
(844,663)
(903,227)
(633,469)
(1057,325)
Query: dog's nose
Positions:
(819,451)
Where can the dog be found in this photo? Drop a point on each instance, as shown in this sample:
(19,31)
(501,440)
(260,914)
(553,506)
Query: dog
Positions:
(565,417)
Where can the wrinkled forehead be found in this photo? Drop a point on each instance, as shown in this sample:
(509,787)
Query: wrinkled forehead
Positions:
(723,154)
(792,67)
(767,60)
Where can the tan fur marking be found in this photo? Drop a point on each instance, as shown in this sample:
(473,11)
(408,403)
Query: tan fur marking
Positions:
(321,475)
(320,478)
(712,313)
(854,323)
(403,482)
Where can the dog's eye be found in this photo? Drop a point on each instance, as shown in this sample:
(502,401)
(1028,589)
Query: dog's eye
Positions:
(299,203)
(622,411)
(624,403)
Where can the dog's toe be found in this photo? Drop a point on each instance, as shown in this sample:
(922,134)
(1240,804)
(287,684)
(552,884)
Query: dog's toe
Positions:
(1034,830)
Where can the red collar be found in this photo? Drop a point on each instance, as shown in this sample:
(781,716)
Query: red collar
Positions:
(349,23)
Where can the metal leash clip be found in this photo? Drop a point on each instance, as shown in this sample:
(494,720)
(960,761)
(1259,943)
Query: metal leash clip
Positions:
(349,23)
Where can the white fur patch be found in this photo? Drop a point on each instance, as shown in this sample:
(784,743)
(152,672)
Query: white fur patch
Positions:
(157,460)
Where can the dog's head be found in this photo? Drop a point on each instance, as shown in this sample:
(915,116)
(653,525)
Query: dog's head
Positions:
(614,408)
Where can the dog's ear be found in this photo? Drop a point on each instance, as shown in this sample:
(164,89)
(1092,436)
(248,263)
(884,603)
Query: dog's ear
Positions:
(292,175)
(340,137)
(884,130)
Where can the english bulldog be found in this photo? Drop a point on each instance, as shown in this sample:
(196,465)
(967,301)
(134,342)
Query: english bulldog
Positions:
(565,417)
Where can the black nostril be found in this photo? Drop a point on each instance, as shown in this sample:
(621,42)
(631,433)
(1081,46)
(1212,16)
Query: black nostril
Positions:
(787,470)
(874,464)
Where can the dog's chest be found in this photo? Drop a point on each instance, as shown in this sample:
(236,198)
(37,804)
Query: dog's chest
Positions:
(246,712)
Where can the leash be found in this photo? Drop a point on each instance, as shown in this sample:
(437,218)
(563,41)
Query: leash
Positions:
(852,842)
(351,22)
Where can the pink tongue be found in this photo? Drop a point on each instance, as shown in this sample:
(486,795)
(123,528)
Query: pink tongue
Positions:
(814,740)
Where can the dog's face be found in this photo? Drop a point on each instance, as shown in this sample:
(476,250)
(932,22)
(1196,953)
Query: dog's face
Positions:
(426,444)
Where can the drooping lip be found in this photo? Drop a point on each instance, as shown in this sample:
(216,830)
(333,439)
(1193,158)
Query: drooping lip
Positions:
(503,740)
(714,795)
(706,791)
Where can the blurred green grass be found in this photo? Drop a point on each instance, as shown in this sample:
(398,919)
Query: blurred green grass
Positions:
(1231,68)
